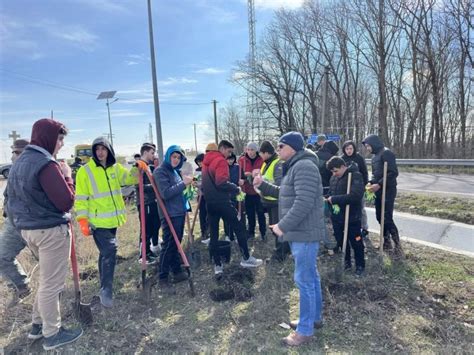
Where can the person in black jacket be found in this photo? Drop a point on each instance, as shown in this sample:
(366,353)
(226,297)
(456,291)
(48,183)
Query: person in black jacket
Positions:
(381,155)
(338,196)
(202,201)
(350,155)
(326,152)
(152,220)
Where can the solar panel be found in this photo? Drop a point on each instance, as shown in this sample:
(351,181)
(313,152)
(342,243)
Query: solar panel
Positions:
(106,95)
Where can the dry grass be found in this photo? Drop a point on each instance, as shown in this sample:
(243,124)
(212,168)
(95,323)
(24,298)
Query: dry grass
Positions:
(423,304)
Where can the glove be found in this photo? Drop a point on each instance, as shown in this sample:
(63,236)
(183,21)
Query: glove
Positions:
(142,165)
(85,229)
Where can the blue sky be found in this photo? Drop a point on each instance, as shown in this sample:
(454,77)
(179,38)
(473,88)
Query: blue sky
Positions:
(101,45)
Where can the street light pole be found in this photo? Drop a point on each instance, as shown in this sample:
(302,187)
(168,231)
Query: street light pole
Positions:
(159,137)
(110,123)
(108,95)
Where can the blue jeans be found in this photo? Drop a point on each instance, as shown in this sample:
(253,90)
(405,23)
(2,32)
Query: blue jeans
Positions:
(307,279)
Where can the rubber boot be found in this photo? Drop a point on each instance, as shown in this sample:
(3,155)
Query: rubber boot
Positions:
(387,243)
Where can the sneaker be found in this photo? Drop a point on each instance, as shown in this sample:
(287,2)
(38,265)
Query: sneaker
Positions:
(251,262)
(218,269)
(359,271)
(330,252)
(106,298)
(206,241)
(155,249)
(179,277)
(36,331)
(63,337)
(149,260)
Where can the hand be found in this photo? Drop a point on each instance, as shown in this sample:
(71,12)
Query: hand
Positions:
(257,181)
(374,187)
(329,200)
(85,228)
(187,179)
(65,169)
(248,173)
(255,172)
(241,182)
(142,165)
(276,230)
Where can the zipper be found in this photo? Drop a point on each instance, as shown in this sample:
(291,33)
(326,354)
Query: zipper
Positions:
(111,195)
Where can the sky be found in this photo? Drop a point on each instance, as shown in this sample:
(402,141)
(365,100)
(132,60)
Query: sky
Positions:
(57,55)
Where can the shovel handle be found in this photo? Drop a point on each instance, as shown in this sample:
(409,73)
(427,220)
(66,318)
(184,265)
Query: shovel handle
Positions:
(382,212)
(141,191)
(346,220)
(168,219)
(196,213)
(73,257)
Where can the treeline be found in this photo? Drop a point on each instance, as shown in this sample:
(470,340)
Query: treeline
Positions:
(398,68)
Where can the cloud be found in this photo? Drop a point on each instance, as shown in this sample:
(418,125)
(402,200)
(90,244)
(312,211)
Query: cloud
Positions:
(217,13)
(176,81)
(105,5)
(135,59)
(131,62)
(210,71)
(75,35)
(277,4)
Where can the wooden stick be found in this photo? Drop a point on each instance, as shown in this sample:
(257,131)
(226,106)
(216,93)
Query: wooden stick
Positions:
(382,217)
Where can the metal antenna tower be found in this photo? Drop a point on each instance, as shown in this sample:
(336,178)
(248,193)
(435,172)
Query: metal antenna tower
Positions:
(252,112)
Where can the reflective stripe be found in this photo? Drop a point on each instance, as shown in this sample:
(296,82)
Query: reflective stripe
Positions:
(82,212)
(110,214)
(82,197)
(92,179)
(106,194)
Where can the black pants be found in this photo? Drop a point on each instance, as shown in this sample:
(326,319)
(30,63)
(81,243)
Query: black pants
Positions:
(229,231)
(170,260)
(203,217)
(228,213)
(253,206)
(282,249)
(354,239)
(389,224)
(152,226)
(107,244)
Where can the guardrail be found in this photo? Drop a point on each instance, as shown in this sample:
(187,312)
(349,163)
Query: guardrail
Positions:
(433,162)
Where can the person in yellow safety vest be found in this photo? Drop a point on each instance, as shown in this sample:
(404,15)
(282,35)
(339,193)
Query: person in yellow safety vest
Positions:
(271,171)
(100,208)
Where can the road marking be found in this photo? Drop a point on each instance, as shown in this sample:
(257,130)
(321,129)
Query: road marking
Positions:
(437,192)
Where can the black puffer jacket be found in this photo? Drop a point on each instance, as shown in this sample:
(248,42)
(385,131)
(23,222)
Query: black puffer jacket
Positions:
(339,196)
(381,155)
(149,193)
(357,159)
(327,151)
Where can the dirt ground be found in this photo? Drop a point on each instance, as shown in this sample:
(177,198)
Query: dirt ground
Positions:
(421,304)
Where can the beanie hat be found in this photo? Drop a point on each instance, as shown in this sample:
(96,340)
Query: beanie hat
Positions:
(20,144)
(252,145)
(267,147)
(321,137)
(293,139)
(211,147)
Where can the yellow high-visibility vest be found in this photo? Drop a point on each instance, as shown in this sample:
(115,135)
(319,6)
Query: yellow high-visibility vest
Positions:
(99,194)
(268,176)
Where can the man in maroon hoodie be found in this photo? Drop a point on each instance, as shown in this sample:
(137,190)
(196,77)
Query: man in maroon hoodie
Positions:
(217,190)
(40,194)
(249,162)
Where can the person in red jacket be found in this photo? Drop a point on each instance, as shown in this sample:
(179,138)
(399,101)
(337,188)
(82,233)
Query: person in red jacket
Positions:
(217,190)
(249,162)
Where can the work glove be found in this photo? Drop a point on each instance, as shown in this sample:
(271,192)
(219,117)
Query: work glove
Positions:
(84,225)
(142,165)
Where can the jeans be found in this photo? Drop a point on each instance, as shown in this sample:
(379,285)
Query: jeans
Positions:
(152,226)
(11,244)
(253,206)
(227,212)
(308,282)
(107,244)
(170,260)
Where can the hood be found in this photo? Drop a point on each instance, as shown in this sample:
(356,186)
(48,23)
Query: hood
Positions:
(174,149)
(348,143)
(352,168)
(252,159)
(301,155)
(330,147)
(45,134)
(375,142)
(199,157)
(210,156)
(110,157)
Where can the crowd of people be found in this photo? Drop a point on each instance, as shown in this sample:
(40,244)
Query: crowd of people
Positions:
(297,187)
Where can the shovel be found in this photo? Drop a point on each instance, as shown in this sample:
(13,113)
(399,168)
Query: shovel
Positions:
(340,266)
(82,311)
(173,232)
(195,254)
(382,212)
(146,284)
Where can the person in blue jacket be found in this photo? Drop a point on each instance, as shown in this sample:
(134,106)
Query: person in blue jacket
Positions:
(171,186)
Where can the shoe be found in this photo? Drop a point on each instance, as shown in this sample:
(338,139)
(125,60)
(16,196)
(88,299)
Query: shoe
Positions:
(317,325)
(337,250)
(166,287)
(106,298)
(251,262)
(23,291)
(218,269)
(263,236)
(36,331)
(150,260)
(359,271)
(63,337)
(387,244)
(155,249)
(347,267)
(250,236)
(227,239)
(295,339)
(179,277)
(330,252)
(206,241)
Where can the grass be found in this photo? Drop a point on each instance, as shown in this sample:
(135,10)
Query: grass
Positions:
(423,304)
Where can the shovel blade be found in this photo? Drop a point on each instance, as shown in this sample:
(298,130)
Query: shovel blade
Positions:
(83,313)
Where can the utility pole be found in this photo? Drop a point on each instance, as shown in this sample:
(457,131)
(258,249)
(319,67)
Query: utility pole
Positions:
(195,139)
(215,121)
(14,136)
(159,136)
(150,132)
(324,99)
